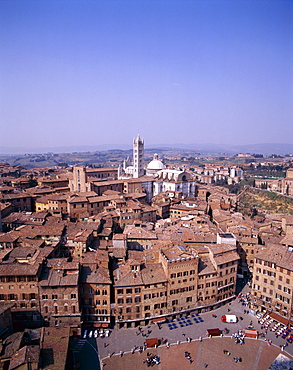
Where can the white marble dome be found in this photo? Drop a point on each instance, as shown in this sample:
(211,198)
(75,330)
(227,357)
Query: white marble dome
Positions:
(156,164)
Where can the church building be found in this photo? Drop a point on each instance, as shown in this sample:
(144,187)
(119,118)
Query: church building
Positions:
(135,170)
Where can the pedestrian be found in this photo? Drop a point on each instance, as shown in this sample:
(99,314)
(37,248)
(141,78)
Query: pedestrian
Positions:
(205,365)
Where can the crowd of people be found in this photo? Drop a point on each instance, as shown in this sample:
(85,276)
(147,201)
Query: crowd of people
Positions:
(188,357)
(239,337)
(151,360)
(244,299)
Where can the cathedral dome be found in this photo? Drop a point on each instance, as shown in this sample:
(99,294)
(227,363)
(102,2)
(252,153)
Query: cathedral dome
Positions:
(156,164)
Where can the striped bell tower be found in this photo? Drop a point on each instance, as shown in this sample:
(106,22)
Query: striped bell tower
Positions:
(138,157)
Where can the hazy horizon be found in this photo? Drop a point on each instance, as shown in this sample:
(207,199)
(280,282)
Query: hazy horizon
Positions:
(88,73)
(205,148)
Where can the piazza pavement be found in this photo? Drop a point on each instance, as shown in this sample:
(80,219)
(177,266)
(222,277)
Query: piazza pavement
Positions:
(121,350)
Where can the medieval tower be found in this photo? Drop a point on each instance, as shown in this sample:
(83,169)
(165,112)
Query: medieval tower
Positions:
(138,157)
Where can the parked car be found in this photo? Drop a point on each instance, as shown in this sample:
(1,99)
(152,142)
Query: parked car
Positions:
(229,318)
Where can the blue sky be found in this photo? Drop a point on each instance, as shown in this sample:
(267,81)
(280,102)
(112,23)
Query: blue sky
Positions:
(98,72)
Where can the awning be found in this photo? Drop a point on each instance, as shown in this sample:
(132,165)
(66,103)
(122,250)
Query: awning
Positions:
(214,332)
(251,333)
(159,320)
(100,325)
(280,318)
(152,342)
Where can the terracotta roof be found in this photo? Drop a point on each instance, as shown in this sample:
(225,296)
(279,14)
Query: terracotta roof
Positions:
(131,278)
(55,340)
(59,272)
(205,266)
(226,257)
(153,274)
(34,231)
(133,232)
(95,276)
(12,344)
(5,306)
(17,269)
(27,354)
(278,254)
(287,240)
(8,237)
(174,253)
(247,239)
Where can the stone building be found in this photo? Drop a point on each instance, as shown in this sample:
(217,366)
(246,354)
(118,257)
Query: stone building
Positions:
(59,293)
(95,285)
(173,280)
(181,268)
(82,177)
(286,184)
(174,180)
(5,319)
(140,293)
(139,238)
(273,280)
(20,201)
(19,275)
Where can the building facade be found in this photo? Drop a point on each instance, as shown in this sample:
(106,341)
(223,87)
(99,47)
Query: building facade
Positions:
(273,280)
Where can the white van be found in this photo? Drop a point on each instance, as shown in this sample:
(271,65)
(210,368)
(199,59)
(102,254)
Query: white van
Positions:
(229,318)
